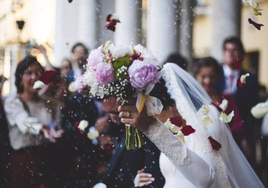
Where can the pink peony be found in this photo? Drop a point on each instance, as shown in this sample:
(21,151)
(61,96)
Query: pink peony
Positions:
(143,73)
(94,58)
(105,73)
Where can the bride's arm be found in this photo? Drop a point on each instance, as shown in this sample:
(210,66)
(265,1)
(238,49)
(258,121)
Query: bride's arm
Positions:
(193,167)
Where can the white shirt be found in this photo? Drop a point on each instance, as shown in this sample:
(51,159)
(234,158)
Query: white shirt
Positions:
(230,88)
(24,126)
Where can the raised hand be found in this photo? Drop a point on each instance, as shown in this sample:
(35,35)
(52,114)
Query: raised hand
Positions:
(129,115)
(143,179)
(51,133)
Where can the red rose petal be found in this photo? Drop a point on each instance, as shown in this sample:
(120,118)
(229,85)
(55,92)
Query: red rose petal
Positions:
(215,145)
(187,130)
(108,18)
(177,120)
(257,25)
(239,84)
(50,77)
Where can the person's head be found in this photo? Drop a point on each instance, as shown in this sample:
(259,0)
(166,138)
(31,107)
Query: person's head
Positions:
(110,104)
(178,60)
(80,52)
(232,50)
(208,73)
(27,72)
(66,67)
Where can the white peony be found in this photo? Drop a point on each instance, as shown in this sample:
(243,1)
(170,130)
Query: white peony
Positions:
(224,104)
(38,84)
(260,110)
(118,51)
(145,53)
(82,125)
(226,119)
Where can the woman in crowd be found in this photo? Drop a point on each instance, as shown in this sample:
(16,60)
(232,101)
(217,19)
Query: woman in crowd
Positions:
(208,73)
(32,126)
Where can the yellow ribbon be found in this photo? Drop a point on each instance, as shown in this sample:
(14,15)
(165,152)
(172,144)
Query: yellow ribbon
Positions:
(143,99)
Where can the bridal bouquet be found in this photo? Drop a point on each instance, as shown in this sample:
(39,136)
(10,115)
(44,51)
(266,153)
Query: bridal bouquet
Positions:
(123,71)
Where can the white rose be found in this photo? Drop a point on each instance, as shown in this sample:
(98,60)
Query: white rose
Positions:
(260,110)
(224,105)
(226,119)
(145,53)
(82,125)
(38,84)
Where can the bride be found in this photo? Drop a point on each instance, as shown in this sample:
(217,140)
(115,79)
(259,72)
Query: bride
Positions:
(209,156)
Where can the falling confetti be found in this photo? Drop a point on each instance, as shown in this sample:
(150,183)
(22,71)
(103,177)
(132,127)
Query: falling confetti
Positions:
(257,25)
(112,21)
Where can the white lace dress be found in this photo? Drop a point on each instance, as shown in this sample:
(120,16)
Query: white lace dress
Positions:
(187,165)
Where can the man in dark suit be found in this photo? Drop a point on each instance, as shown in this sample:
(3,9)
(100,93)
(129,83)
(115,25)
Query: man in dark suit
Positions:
(81,155)
(125,164)
(245,97)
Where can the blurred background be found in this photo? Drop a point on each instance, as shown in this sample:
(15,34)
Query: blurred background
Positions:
(195,28)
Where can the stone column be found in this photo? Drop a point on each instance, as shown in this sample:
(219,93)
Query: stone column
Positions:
(88,21)
(129,30)
(226,21)
(106,7)
(186,30)
(65,29)
(163,27)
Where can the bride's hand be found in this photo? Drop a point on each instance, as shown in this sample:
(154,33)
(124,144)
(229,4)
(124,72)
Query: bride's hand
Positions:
(130,115)
(143,179)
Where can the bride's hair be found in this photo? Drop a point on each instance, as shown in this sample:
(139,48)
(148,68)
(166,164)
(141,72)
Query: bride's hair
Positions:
(160,91)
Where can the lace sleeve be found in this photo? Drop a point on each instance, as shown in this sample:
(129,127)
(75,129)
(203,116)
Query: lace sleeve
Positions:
(186,161)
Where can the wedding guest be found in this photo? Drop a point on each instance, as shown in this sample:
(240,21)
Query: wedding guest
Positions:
(79,56)
(33,124)
(246,97)
(125,164)
(66,66)
(208,73)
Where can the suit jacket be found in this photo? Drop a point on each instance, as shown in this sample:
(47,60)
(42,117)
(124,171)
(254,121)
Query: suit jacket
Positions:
(81,154)
(5,147)
(124,165)
(245,98)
